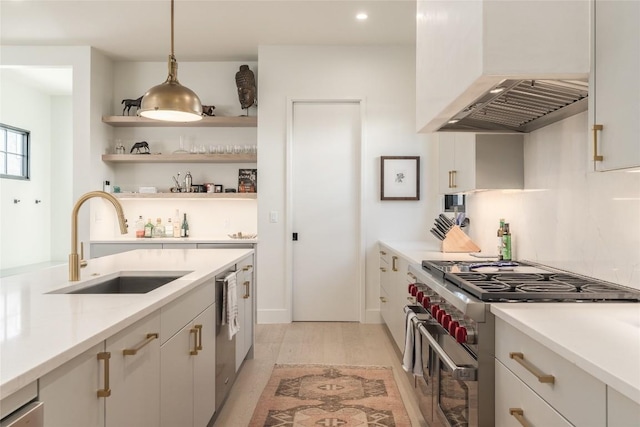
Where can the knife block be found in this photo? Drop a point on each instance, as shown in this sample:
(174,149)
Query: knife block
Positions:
(456,240)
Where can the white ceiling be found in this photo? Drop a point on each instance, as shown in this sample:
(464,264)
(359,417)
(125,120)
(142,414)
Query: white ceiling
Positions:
(205,30)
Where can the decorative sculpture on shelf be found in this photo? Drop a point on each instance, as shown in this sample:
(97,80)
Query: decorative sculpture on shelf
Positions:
(141,145)
(246,83)
(128,103)
(207,110)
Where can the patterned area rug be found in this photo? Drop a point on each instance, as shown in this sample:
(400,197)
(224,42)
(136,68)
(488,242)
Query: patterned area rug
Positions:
(330,396)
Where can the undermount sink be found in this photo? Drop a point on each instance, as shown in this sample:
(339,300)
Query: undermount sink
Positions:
(123,285)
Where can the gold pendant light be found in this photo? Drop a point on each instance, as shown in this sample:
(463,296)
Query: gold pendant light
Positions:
(170,101)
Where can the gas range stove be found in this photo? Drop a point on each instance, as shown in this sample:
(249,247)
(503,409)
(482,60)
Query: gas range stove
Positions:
(507,281)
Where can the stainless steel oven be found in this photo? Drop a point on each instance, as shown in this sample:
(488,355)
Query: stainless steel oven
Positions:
(448,388)
(452,300)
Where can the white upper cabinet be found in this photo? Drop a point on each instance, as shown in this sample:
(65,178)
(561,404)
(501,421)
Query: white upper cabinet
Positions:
(466,48)
(469,162)
(615,87)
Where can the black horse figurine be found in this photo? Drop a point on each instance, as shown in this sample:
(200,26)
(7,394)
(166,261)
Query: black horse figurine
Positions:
(128,103)
(138,145)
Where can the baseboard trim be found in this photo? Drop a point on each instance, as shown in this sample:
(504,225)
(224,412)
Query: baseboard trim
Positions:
(273,316)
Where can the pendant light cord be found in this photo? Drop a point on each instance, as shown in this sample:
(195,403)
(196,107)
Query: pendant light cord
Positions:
(172,55)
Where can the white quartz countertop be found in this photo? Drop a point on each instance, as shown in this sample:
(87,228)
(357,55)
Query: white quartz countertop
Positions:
(601,338)
(41,331)
(417,251)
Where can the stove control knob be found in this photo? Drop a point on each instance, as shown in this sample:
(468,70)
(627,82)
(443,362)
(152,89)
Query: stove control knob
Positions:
(411,286)
(440,314)
(461,334)
(446,320)
(414,291)
(434,310)
(452,327)
(419,296)
(426,301)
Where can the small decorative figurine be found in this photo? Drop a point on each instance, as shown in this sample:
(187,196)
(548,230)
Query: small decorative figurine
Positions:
(207,110)
(128,103)
(138,145)
(246,83)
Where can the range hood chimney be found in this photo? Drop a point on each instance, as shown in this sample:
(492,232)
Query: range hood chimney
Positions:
(521,106)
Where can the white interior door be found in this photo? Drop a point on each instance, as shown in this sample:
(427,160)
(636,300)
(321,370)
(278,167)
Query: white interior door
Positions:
(325,192)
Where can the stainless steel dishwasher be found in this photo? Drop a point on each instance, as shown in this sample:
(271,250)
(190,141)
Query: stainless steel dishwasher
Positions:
(225,348)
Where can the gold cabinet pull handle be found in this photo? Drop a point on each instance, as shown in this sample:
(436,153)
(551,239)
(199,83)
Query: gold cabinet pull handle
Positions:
(394,259)
(453,179)
(596,157)
(413,276)
(384,270)
(383,253)
(134,351)
(449,179)
(247,267)
(383,299)
(543,378)
(199,337)
(106,391)
(519,415)
(194,332)
(247,285)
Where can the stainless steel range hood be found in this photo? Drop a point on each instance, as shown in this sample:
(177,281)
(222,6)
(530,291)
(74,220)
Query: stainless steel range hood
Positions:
(521,106)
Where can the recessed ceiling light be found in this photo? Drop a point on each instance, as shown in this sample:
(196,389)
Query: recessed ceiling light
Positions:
(361,16)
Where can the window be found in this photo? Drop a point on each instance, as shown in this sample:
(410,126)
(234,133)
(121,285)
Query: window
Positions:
(14,152)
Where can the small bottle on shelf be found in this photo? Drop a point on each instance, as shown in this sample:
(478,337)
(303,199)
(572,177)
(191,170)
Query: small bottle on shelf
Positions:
(158,230)
(184,230)
(148,229)
(140,227)
(168,229)
(176,224)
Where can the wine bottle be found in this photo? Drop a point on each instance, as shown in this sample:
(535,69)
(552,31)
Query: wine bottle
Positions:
(184,230)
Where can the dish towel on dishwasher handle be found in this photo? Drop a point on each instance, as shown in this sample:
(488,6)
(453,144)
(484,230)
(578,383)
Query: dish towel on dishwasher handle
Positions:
(412,357)
(230,304)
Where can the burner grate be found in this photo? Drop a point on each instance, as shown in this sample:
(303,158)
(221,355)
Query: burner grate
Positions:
(519,277)
(492,286)
(547,287)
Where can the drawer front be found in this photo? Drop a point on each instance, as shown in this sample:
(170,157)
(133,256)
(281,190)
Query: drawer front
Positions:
(574,393)
(513,395)
(175,315)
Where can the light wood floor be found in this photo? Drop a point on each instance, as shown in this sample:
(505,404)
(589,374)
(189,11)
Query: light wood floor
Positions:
(311,342)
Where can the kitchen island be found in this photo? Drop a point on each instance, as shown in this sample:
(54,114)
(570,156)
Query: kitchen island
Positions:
(43,328)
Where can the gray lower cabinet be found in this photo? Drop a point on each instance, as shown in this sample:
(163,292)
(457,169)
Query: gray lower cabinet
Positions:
(104,249)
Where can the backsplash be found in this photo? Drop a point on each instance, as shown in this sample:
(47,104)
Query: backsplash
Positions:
(208,219)
(567,217)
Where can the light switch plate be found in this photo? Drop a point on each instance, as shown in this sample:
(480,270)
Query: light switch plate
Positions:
(273,216)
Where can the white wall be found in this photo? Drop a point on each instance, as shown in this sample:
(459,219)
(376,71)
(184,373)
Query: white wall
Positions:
(78,58)
(61,176)
(25,226)
(384,77)
(569,217)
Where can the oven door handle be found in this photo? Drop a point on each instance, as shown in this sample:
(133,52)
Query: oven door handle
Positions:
(462,373)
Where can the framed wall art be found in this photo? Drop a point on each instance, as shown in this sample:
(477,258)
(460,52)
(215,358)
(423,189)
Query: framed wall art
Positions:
(399,178)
